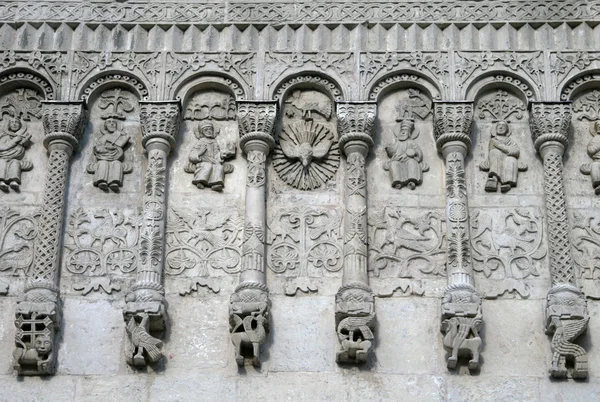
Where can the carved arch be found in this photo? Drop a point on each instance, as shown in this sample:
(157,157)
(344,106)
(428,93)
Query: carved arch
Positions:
(581,82)
(19,77)
(112,79)
(308,80)
(403,79)
(515,84)
(184,90)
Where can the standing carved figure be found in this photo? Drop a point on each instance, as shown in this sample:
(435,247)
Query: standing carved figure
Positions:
(593,149)
(109,150)
(207,160)
(503,164)
(406,164)
(14,140)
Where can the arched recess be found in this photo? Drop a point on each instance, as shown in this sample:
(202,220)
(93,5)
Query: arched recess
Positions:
(581,82)
(20,77)
(513,83)
(112,79)
(308,80)
(403,79)
(207,80)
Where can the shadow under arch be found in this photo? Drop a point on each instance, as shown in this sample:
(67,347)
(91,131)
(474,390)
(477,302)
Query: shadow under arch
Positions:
(308,79)
(584,81)
(207,80)
(19,77)
(499,79)
(403,79)
(99,83)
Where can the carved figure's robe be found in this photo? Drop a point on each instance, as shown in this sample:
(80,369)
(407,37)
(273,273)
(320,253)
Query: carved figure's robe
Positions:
(109,153)
(503,159)
(11,153)
(405,163)
(206,155)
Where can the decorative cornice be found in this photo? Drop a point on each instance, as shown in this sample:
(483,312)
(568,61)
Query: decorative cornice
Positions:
(304,12)
(356,122)
(256,120)
(452,122)
(549,121)
(63,121)
(160,120)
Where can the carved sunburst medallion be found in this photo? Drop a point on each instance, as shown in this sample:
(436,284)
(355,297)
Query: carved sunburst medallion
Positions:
(307,155)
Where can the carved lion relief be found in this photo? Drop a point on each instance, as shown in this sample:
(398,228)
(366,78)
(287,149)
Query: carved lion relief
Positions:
(307,155)
(16,109)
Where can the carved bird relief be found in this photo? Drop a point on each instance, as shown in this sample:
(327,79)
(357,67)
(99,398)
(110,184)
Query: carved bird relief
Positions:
(142,343)
(307,155)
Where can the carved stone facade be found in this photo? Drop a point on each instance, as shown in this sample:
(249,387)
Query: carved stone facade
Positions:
(299,200)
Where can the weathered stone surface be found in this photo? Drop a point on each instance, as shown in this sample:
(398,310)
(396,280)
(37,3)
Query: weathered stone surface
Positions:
(503,389)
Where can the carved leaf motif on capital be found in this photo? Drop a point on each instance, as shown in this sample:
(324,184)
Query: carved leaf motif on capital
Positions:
(452,122)
(256,117)
(550,121)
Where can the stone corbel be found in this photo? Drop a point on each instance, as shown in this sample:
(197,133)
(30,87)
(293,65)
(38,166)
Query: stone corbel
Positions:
(38,308)
(145,311)
(354,301)
(461,304)
(249,304)
(566,309)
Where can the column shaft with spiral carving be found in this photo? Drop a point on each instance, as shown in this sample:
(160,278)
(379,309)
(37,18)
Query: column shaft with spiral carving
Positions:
(566,309)
(38,309)
(461,305)
(145,314)
(249,304)
(354,301)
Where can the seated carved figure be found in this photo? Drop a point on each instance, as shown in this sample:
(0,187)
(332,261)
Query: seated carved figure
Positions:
(593,149)
(13,141)
(109,168)
(207,160)
(406,164)
(503,160)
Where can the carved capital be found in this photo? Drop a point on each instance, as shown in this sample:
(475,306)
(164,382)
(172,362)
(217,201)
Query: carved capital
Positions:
(63,122)
(160,122)
(549,122)
(256,120)
(452,123)
(356,126)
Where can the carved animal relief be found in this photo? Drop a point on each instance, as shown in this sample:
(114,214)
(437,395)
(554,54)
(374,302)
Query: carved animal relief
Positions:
(112,140)
(355,322)
(203,244)
(307,155)
(17,232)
(509,249)
(586,252)
(503,165)
(102,246)
(16,109)
(406,165)
(207,111)
(304,242)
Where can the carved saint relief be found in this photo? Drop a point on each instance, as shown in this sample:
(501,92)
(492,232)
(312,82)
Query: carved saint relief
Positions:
(502,163)
(587,107)
(207,157)
(112,141)
(16,108)
(406,165)
(307,155)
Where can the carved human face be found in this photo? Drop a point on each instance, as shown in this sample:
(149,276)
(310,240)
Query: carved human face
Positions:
(404,133)
(502,128)
(14,124)
(208,131)
(43,344)
(111,125)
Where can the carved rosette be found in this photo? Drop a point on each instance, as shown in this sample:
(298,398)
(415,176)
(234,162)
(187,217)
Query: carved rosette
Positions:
(461,305)
(38,308)
(566,309)
(355,303)
(145,312)
(249,304)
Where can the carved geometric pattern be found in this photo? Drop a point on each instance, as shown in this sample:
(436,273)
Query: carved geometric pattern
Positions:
(561,263)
